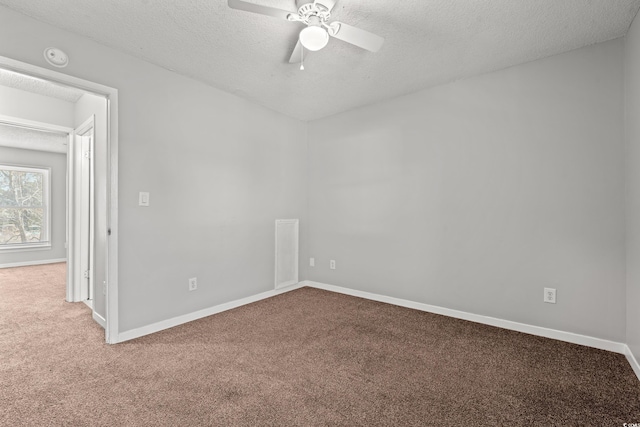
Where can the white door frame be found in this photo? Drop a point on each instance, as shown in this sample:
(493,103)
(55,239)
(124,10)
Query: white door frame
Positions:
(111,95)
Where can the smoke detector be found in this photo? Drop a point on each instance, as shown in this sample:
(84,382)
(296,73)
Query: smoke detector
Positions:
(56,57)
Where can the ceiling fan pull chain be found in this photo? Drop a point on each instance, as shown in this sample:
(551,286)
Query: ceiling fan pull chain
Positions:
(301,58)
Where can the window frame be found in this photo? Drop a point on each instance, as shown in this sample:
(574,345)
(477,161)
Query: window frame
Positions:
(45,233)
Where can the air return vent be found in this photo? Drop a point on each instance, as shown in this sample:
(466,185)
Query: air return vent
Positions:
(286,252)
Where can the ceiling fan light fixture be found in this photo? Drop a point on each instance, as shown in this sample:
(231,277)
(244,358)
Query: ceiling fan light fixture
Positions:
(314,38)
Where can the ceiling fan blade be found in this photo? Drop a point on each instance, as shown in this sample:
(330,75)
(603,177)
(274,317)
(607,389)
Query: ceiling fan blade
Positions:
(356,36)
(296,55)
(262,10)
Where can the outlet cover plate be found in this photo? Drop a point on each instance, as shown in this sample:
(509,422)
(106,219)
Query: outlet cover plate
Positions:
(550,295)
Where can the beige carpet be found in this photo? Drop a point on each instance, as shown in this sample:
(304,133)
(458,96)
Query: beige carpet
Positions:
(305,358)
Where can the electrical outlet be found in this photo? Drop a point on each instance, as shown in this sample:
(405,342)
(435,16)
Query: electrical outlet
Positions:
(550,295)
(332,264)
(312,262)
(193,284)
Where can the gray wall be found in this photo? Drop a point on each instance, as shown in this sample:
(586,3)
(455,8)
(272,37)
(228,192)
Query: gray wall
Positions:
(58,164)
(220,170)
(632,127)
(478,194)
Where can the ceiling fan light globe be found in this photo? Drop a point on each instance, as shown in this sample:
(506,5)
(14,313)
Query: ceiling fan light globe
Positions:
(314,38)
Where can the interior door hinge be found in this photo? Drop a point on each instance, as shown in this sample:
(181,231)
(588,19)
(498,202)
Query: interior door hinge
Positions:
(86,274)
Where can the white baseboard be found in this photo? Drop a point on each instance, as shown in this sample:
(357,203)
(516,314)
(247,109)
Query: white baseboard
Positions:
(170,323)
(585,340)
(100,320)
(27,263)
(632,361)
(570,337)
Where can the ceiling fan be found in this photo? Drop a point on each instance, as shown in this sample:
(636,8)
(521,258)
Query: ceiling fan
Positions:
(315,15)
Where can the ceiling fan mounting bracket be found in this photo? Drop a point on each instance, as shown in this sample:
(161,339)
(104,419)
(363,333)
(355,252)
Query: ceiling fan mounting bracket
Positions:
(307,12)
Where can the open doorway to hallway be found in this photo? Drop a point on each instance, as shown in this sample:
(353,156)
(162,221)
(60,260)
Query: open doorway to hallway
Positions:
(54,183)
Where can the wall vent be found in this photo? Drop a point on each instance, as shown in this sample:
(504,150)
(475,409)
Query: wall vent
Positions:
(286,252)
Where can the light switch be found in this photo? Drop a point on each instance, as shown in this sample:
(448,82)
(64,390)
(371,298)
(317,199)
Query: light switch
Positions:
(143,199)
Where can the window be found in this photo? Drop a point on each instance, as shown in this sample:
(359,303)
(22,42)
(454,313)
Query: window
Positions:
(24,207)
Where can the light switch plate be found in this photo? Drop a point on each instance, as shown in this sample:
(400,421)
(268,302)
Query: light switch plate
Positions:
(143,199)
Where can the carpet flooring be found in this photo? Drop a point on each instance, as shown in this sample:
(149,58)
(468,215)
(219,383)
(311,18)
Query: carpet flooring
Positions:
(304,358)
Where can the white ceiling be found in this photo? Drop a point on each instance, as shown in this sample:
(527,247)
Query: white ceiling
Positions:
(428,42)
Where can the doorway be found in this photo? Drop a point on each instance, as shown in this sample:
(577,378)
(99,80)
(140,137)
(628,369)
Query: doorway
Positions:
(92,232)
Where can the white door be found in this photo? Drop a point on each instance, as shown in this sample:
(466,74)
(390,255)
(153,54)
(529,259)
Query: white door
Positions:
(86,215)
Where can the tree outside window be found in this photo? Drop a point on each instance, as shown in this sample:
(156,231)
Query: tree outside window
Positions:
(24,200)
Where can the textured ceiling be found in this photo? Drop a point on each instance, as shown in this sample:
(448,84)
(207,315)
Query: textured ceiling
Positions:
(428,42)
(39,86)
